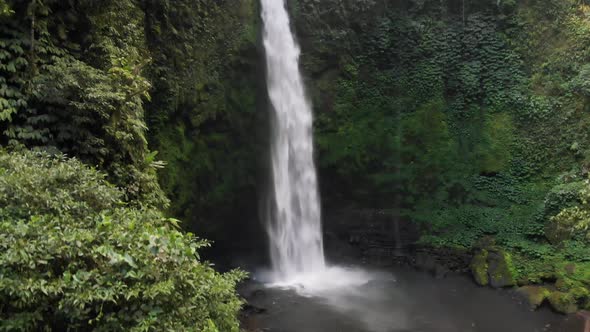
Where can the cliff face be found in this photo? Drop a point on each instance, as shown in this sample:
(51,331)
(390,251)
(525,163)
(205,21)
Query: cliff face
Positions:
(112,83)
(206,117)
(467,118)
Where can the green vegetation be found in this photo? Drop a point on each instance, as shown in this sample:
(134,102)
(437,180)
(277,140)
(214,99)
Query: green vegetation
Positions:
(471,118)
(86,249)
(203,117)
(74,256)
(479,267)
(69,83)
(534,295)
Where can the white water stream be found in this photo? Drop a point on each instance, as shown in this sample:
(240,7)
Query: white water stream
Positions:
(295,224)
(294,220)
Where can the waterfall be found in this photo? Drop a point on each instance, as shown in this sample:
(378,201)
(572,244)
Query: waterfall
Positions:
(294,220)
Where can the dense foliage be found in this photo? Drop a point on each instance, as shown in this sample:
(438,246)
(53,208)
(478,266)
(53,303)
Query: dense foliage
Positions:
(72,79)
(78,77)
(469,118)
(73,256)
(89,78)
(203,117)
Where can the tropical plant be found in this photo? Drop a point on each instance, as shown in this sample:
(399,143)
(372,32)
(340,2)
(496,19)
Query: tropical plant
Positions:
(74,257)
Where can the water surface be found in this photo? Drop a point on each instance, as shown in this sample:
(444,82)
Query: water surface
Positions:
(402,300)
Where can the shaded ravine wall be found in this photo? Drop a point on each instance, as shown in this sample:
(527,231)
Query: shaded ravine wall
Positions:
(209,121)
(469,121)
(465,118)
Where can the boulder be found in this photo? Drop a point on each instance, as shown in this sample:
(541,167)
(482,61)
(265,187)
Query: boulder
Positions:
(501,269)
(533,295)
(479,268)
(563,302)
(493,267)
(556,233)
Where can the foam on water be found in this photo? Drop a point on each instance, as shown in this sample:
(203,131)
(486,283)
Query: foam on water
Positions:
(323,282)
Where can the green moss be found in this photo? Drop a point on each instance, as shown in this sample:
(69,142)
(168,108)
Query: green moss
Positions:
(479,267)
(563,302)
(534,295)
(493,153)
(501,269)
(203,115)
(493,266)
(568,281)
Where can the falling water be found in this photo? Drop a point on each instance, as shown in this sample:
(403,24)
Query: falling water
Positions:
(294,221)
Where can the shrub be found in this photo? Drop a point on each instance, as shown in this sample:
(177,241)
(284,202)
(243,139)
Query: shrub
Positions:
(575,220)
(72,257)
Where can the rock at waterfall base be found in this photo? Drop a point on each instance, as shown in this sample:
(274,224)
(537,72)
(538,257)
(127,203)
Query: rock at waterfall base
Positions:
(563,302)
(533,295)
(493,267)
(479,268)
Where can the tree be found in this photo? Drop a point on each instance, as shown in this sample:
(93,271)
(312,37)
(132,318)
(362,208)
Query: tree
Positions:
(74,257)
(4,8)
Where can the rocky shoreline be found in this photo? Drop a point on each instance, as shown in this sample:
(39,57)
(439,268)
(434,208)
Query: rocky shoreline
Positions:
(489,264)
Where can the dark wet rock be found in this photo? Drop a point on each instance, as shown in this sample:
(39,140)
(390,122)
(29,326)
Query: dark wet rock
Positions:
(439,261)
(425,262)
(428,263)
(441,271)
(257,294)
(534,296)
(249,317)
(377,235)
(383,238)
(339,249)
(250,309)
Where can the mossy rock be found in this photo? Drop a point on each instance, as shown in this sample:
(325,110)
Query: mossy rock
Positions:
(501,270)
(561,196)
(493,267)
(479,267)
(563,302)
(570,269)
(581,296)
(534,295)
(555,233)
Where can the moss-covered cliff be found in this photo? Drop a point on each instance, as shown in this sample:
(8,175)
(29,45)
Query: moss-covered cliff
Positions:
(204,117)
(471,118)
(135,86)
